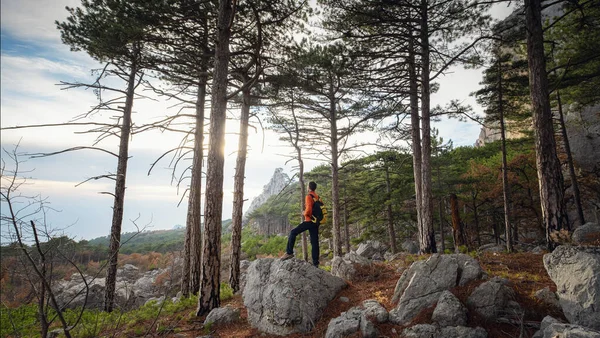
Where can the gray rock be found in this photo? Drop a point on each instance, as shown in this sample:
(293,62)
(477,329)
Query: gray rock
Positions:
(375,311)
(449,311)
(344,299)
(548,297)
(576,273)
(222,315)
(492,298)
(545,323)
(369,248)
(587,234)
(560,330)
(410,246)
(346,324)
(462,332)
(367,329)
(284,297)
(351,322)
(244,264)
(157,300)
(388,256)
(422,283)
(345,267)
(276,184)
(128,272)
(429,331)
(538,250)
(421,331)
(492,247)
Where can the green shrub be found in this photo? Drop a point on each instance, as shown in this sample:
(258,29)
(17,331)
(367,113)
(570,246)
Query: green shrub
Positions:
(226,291)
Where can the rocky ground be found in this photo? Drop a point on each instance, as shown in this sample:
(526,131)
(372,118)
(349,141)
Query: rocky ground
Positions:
(525,273)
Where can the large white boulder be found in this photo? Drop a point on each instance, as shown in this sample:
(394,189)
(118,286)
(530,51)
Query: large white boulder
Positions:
(576,273)
(421,285)
(285,297)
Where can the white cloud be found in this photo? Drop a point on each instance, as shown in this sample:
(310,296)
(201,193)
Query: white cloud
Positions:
(34,19)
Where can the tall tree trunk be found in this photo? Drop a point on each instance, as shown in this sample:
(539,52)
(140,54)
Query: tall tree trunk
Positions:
(548,166)
(441,212)
(335,198)
(426,233)
(415,131)
(44,325)
(208,297)
(190,278)
(390,218)
(505,187)
(196,248)
(238,194)
(346,225)
(572,175)
(119,196)
(457,230)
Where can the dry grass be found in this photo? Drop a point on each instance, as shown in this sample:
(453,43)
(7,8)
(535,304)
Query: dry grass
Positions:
(525,272)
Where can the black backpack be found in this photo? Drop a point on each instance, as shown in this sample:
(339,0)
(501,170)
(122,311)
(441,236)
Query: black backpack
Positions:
(319,211)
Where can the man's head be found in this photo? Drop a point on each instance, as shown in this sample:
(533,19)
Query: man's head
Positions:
(312,186)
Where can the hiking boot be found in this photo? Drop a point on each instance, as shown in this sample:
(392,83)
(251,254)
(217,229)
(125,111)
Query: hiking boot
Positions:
(286,257)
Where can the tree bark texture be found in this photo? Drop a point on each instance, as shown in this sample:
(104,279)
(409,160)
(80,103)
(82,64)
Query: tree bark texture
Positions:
(457,230)
(335,198)
(196,248)
(190,278)
(572,175)
(238,194)
(390,214)
(119,196)
(415,131)
(346,225)
(548,166)
(209,294)
(426,233)
(505,187)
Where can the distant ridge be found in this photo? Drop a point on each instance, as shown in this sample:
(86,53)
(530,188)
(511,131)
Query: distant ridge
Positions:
(278,181)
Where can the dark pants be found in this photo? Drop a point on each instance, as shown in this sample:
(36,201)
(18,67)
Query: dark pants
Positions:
(313,230)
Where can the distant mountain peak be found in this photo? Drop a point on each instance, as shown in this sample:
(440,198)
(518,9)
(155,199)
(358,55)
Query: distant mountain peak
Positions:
(278,181)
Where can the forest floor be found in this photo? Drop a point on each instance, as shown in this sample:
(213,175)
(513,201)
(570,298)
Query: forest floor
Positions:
(525,272)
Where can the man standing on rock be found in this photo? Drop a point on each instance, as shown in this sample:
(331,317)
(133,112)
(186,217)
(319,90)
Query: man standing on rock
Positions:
(311,223)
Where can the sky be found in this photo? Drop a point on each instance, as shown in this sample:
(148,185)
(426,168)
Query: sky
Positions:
(33,61)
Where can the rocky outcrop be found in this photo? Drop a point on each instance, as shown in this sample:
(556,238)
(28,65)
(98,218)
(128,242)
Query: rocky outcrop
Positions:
(349,323)
(358,319)
(428,331)
(552,328)
(576,273)
(449,311)
(410,246)
(421,285)
(494,299)
(222,315)
(375,311)
(372,249)
(276,184)
(345,267)
(133,289)
(284,297)
(547,297)
(587,234)
(244,264)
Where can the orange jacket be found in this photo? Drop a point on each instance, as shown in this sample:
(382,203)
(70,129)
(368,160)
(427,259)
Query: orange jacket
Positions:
(308,205)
